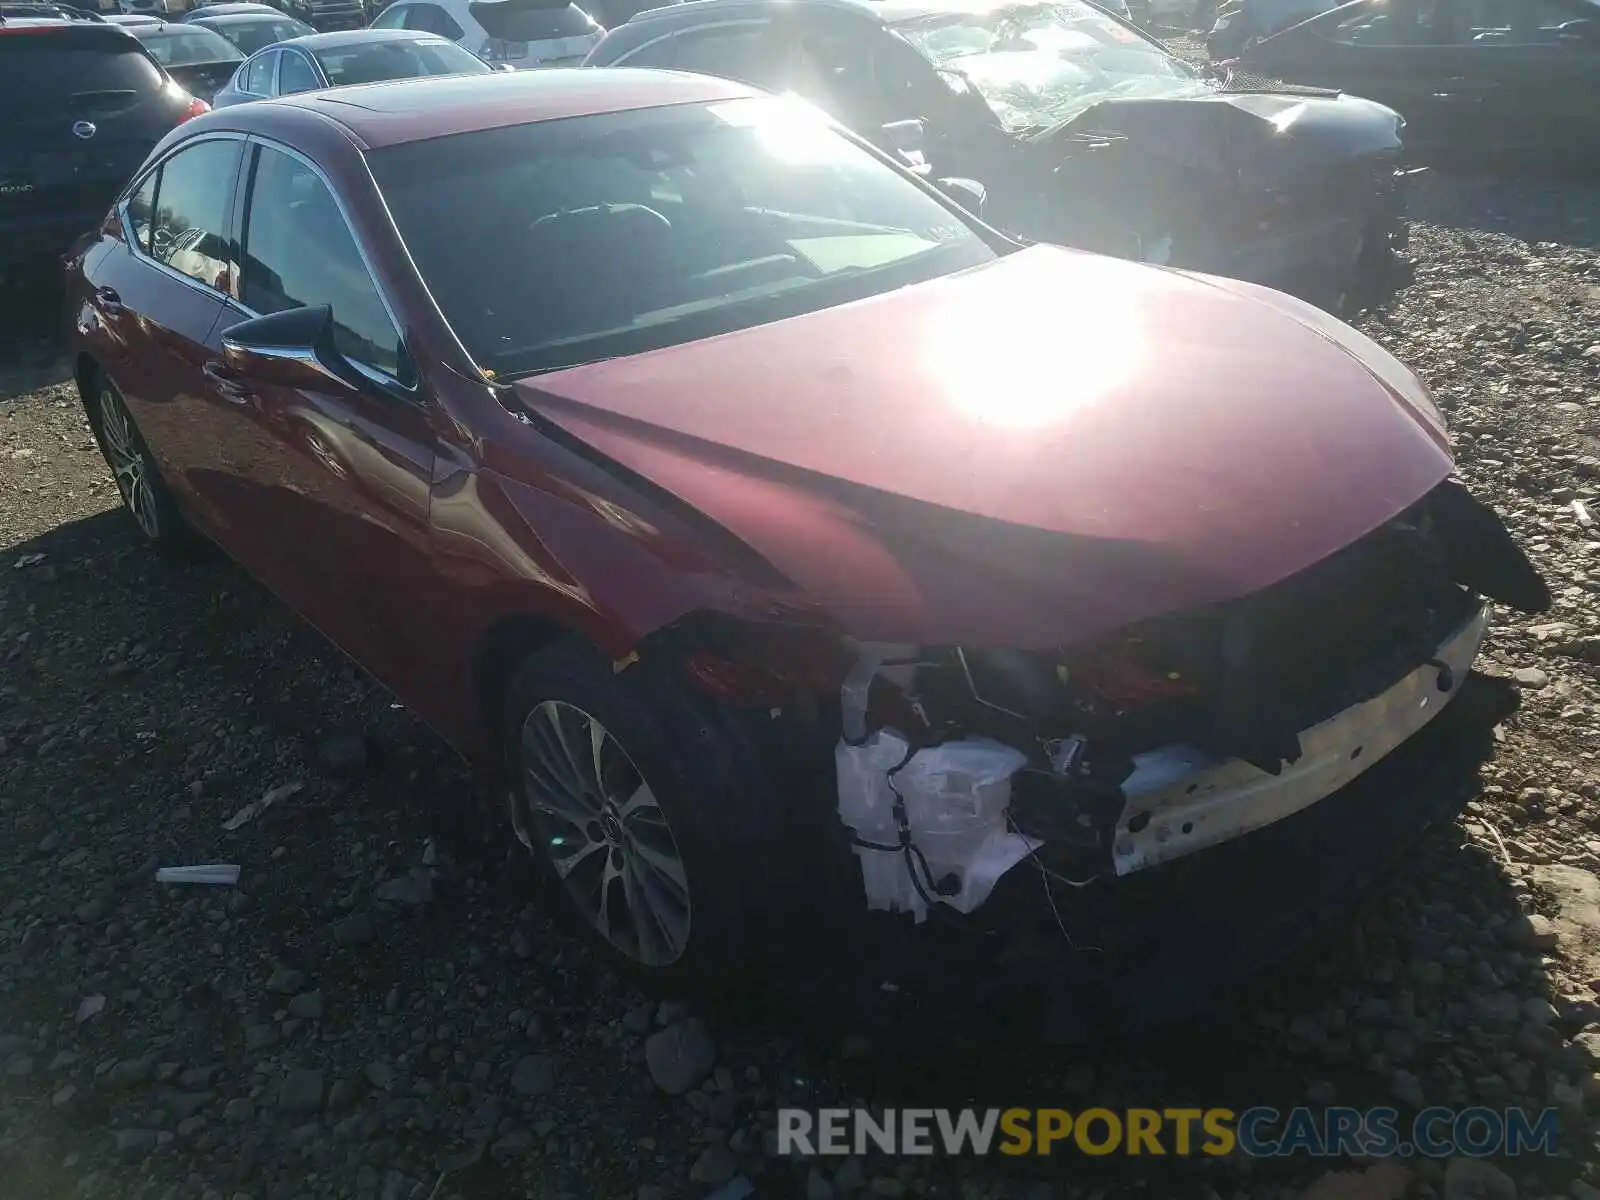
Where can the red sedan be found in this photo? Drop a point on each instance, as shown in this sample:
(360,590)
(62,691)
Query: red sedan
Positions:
(801,552)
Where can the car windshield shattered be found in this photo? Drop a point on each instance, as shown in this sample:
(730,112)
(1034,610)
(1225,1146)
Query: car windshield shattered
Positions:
(624,232)
(1041,64)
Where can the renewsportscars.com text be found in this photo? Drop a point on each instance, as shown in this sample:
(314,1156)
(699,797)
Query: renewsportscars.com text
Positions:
(1259,1132)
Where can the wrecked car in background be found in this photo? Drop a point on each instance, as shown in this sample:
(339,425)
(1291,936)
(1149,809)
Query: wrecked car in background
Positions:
(1083,130)
(1478,76)
(1242,23)
(808,559)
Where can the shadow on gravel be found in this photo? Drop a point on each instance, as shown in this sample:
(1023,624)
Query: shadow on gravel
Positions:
(31,347)
(1531,208)
(196,692)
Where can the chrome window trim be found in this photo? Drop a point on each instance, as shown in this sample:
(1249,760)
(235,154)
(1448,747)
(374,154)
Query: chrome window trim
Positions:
(693,29)
(375,374)
(129,234)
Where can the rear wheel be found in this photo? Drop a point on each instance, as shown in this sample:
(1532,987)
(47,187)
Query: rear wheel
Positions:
(133,467)
(645,816)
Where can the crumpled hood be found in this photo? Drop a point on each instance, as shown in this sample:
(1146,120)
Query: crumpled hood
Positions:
(1026,453)
(1269,139)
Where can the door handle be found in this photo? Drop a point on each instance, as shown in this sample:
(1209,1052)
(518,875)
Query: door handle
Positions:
(227,384)
(109,300)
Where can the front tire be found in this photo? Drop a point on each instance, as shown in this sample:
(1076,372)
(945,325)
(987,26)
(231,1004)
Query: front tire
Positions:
(646,817)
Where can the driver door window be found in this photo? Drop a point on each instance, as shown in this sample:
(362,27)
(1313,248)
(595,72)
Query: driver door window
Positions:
(299,252)
(296,75)
(393,17)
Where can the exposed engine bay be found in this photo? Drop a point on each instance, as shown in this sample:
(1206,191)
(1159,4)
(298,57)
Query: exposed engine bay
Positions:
(1170,736)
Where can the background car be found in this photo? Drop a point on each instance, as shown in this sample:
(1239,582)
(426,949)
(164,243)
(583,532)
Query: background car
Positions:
(198,58)
(1243,23)
(518,33)
(165,9)
(128,20)
(319,14)
(322,60)
(230,8)
(640,493)
(251,31)
(1083,130)
(84,103)
(1479,76)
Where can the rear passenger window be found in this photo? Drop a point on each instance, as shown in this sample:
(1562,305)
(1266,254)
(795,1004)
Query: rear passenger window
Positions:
(299,252)
(258,79)
(193,199)
(430,18)
(296,75)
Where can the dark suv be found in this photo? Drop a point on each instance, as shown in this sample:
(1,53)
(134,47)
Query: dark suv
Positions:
(84,105)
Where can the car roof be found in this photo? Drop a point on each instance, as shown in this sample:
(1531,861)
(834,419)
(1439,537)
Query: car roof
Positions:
(232,8)
(77,29)
(358,37)
(240,18)
(686,11)
(409,110)
(890,12)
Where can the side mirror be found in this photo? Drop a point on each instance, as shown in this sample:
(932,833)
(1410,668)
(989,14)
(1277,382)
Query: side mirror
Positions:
(968,193)
(505,67)
(293,348)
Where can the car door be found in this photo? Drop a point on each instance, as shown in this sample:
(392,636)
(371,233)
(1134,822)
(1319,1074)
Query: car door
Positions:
(333,482)
(1397,52)
(1538,75)
(158,294)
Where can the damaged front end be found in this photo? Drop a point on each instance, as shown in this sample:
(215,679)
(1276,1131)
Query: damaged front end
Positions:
(957,764)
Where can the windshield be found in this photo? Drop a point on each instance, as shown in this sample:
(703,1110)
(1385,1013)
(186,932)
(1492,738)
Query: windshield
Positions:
(625,232)
(373,62)
(252,34)
(1040,64)
(187,45)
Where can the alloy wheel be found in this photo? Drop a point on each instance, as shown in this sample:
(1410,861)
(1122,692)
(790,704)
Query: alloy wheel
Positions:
(600,826)
(128,462)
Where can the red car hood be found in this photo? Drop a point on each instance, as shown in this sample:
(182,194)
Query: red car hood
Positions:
(1027,453)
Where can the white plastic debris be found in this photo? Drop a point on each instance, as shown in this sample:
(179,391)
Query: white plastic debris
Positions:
(1580,510)
(956,800)
(256,807)
(91,1006)
(215,874)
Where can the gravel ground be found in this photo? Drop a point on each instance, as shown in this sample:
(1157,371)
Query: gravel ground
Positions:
(374,1013)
